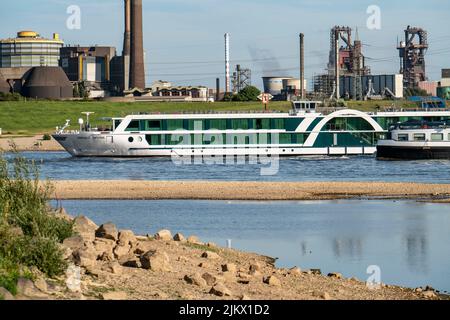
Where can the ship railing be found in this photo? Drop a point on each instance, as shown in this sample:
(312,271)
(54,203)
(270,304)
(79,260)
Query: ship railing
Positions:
(208,112)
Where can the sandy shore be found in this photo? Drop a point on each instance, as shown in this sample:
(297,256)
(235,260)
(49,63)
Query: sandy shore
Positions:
(34,143)
(230,190)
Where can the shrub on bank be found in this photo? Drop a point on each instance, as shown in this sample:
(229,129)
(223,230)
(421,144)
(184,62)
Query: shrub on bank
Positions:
(30,232)
(9,274)
(11,97)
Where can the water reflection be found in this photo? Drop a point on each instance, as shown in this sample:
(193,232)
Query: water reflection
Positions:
(416,252)
(345,247)
(416,240)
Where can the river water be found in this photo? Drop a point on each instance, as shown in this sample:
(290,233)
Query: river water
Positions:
(408,241)
(60,165)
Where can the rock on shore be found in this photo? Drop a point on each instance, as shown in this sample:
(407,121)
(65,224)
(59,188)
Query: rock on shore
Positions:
(111,264)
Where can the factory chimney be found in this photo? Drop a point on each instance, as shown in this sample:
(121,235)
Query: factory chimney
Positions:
(302,65)
(217,89)
(127,45)
(127,35)
(337,64)
(137,68)
(227,63)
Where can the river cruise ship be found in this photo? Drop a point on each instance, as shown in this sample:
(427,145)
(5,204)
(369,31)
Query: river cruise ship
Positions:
(416,140)
(301,132)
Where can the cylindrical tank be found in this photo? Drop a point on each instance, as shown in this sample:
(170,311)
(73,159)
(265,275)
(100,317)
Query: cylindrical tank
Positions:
(274,85)
(293,83)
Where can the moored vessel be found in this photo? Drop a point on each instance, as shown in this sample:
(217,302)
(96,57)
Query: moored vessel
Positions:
(416,140)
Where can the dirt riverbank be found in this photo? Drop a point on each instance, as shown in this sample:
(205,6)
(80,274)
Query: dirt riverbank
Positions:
(34,143)
(113,264)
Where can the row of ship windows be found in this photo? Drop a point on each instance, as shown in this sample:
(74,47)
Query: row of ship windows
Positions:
(213,124)
(422,137)
(224,139)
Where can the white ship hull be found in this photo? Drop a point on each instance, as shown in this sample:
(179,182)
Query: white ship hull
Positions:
(343,132)
(88,144)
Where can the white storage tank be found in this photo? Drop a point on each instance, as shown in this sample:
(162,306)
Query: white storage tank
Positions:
(274,85)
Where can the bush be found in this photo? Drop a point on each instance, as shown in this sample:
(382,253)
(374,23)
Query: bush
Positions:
(42,253)
(249,93)
(9,274)
(23,201)
(29,233)
(10,97)
(228,97)
(46,137)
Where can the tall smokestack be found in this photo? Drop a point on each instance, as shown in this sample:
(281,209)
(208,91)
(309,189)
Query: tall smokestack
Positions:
(217,89)
(227,62)
(337,65)
(302,65)
(137,68)
(127,35)
(127,45)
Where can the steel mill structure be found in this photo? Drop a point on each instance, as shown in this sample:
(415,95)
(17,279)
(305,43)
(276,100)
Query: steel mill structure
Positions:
(412,56)
(346,59)
(242,78)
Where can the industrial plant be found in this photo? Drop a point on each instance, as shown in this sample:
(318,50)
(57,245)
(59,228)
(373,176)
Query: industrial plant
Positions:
(50,68)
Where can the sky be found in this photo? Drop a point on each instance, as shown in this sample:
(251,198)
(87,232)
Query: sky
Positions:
(184,39)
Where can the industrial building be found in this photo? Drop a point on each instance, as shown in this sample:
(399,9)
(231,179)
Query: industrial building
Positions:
(199,93)
(443,89)
(104,73)
(29,65)
(345,59)
(159,85)
(429,86)
(412,56)
(87,63)
(361,87)
(445,81)
(349,57)
(29,49)
(372,86)
(99,68)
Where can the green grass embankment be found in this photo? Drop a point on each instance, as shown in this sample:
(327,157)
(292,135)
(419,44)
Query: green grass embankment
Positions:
(39,117)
